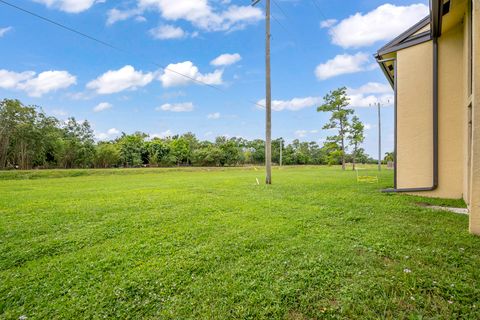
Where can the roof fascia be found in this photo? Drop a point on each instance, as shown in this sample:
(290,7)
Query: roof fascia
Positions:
(402,37)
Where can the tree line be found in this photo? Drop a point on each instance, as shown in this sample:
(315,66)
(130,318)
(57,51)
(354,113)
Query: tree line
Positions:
(31,139)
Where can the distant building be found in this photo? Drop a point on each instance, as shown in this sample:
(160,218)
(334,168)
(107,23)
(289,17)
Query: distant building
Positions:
(434,68)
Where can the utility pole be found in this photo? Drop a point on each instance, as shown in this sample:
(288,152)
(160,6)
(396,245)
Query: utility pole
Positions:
(268,95)
(379,138)
(378,105)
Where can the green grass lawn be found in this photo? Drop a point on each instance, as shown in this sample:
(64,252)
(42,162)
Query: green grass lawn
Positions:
(211,244)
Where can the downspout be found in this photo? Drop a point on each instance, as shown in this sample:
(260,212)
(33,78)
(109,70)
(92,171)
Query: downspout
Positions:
(434,185)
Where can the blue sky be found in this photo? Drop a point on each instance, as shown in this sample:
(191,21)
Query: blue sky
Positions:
(317,46)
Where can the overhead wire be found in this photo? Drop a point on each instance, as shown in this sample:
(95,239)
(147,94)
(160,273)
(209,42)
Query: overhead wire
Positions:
(111,46)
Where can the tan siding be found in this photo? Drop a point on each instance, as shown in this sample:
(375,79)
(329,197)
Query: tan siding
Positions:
(414,102)
(414,116)
(466,95)
(452,114)
(475,169)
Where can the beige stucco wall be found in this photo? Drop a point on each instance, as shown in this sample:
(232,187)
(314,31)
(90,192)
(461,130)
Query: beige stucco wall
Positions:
(452,115)
(475,168)
(414,116)
(415,129)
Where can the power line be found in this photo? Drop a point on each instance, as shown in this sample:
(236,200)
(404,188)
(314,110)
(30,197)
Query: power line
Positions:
(293,35)
(111,46)
(322,15)
(61,25)
(285,15)
(315,3)
(280,8)
(280,24)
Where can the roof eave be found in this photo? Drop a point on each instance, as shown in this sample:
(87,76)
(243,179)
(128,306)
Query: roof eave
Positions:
(403,36)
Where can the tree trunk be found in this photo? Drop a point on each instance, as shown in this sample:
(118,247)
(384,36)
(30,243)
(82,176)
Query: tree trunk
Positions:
(3,152)
(354,157)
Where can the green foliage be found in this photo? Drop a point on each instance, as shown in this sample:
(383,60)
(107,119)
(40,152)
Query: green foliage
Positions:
(30,139)
(158,151)
(77,150)
(230,150)
(256,150)
(189,243)
(336,102)
(356,137)
(107,155)
(389,156)
(208,154)
(132,147)
(180,149)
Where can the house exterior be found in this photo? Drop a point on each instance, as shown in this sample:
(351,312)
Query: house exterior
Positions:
(434,68)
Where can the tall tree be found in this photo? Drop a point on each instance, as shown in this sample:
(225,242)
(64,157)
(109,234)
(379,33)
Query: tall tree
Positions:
(336,102)
(356,137)
(107,155)
(158,150)
(180,149)
(14,120)
(131,148)
(79,145)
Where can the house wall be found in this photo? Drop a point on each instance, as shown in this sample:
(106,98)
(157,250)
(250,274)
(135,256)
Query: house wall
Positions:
(475,160)
(414,117)
(466,104)
(452,115)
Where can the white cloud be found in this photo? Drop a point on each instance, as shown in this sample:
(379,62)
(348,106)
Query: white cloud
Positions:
(198,12)
(367,126)
(36,85)
(364,96)
(237,17)
(384,23)
(183,73)
(114,81)
(70,6)
(3,31)
(11,79)
(301,133)
(115,15)
(328,23)
(161,135)
(59,112)
(226,59)
(48,81)
(304,133)
(365,101)
(102,107)
(113,131)
(167,32)
(294,104)
(107,135)
(176,107)
(370,94)
(214,116)
(344,64)
(372,87)
(101,136)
